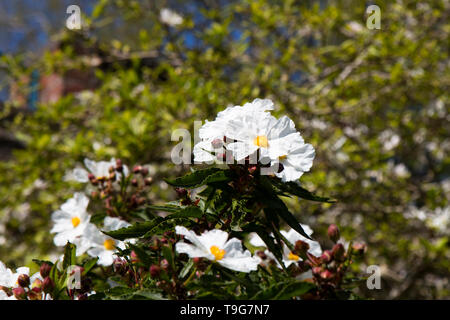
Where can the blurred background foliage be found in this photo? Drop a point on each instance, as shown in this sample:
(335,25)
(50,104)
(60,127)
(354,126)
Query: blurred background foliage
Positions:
(374,103)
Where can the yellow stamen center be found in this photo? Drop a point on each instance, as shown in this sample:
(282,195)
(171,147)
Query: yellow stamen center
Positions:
(292,256)
(217,253)
(109,244)
(75,221)
(261,141)
(282,157)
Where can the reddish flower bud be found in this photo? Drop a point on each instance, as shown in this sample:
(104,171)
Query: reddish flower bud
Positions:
(261,254)
(165,265)
(134,257)
(252,169)
(155,271)
(37,284)
(327,256)
(301,247)
(134,182)
(339,252)
(197,260)
(181,192)
(48,285)
(19,293)
(23,280)
(137,169)
(317,270)
(45,270)
(91,177)
(359,248)
(144,171)
(333,233)
(148,181)
(326,275)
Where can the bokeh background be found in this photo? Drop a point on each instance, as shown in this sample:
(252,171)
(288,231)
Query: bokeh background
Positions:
(374,103)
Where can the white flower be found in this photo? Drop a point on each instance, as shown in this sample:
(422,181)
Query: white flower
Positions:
(213,245)
(297,157)
(170,17)
(98,244)
(71,220)
(99,169)
(9,279)
(216,130)
(292,236)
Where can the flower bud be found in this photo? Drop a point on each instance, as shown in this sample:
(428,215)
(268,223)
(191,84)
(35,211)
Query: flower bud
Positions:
(317,270)
(134,257)
(48,285)
(45,270)
(181,192)
(359,248)
(252,169)
(137,169)
(91,177)
(261,254)
(19,293)
(333,233)
(155,271)
(134,182)
(327,256)
(144,171)
(23,280)
(326,275)
(165,264)
(148,181)
(37,284)
(197,260)
(339,252)
(301,247)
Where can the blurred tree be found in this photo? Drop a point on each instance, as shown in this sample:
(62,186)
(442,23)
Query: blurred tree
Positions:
(374,103)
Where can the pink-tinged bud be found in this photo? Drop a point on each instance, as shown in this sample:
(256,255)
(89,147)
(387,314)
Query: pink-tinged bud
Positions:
(261,254)
(217,143)
(91,177)
(19,293)
(37,284)
(36,289)
(134,257)
(181,192)
(134,182)
(359,248)
(333,233)
(165,265)
(144,171)
(252,169)
(119,162)
(339,252)
(23,280)
(148,181)
(301,247)
(137,169)
(317,270)
(327,256)
(155,271)
(45,270)
(48,285)
(326,275)
(197,260)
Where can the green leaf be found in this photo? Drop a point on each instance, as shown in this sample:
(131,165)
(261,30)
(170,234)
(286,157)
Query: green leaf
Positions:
(199,178)
(88,265)
(268,240)
(283,291)
(277,207)
(166,208)
(295,189)
(134,231)
(187,267)
(41,262)
(69,255)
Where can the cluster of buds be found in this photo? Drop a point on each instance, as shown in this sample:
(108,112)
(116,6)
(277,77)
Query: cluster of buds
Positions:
(329,269)
(32,291)
(129,190)
(185,197)
(80,291)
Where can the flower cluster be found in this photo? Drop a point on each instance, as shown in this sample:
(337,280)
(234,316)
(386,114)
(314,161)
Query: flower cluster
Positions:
(250,133)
